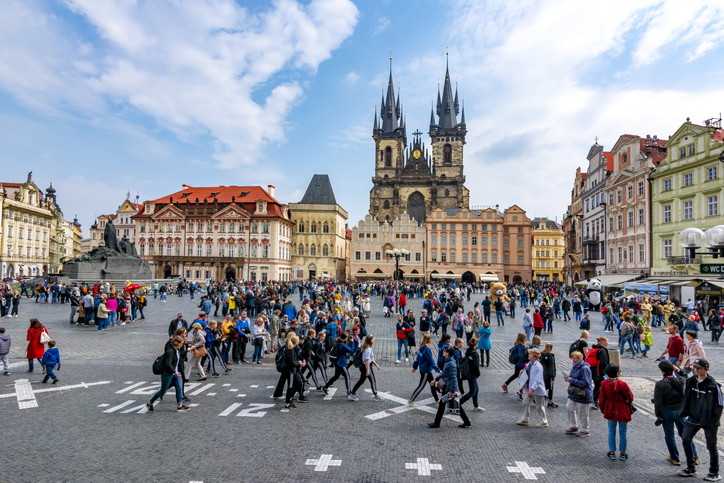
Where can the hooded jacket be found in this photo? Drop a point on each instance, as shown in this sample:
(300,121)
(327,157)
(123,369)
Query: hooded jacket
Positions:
(702,402)
(668,394)
(4,344)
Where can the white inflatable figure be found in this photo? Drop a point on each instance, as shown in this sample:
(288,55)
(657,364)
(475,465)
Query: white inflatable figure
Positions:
(593,292)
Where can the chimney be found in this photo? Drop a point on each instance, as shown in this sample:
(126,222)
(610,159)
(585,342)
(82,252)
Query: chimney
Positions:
(271,190)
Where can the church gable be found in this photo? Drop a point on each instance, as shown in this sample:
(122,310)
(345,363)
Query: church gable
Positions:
(231,211)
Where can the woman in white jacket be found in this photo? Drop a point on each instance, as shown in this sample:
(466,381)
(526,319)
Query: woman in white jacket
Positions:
(367,306)
(534,389)
(347,305)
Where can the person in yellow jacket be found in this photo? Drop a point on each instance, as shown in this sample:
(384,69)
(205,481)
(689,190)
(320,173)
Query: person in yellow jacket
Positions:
(232,305)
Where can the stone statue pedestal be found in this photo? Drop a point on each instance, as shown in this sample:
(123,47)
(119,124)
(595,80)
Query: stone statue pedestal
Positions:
(115,268)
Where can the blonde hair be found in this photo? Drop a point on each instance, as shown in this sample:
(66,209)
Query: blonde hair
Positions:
(548,348)
(426,339)
(584,334)
(601,339)
(368,342)
(536,340)
(196,326)
(534,352)
(576,354)
(292,341)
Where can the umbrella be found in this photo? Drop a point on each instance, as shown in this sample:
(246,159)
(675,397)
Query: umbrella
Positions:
(132,287)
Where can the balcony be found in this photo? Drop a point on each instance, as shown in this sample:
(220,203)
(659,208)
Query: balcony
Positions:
(683,260)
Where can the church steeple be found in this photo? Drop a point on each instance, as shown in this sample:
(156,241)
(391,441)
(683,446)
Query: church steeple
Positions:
(447,108)
(390,110)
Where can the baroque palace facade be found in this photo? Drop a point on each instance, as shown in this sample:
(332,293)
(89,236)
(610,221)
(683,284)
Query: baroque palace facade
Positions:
(222,232)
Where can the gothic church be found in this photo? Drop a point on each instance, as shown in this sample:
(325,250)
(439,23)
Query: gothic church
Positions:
(410,178)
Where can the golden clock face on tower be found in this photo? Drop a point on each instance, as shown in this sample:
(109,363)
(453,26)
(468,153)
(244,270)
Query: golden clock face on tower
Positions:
(416,154)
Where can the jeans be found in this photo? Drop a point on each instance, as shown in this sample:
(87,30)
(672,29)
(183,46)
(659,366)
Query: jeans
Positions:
(49,372)
(621,435)
(528,332)
(102,324)
(609,324)
(6,366)
(673,420)
(30,365)
(627,338)
(257,351)
(486,315)
(550,325)
(166,382)
(400,343)
(512,311)
(690,431)
(473,391)
(578,316)
(111,318)
(163,296)
(673,360)
(499,317)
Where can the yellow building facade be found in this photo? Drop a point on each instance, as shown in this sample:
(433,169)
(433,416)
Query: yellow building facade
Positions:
(547,250)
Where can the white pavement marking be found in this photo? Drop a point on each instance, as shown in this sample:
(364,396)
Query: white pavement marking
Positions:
(74,386)
(16,364)
(324,462)
(421,406)
(126,389)
(211,394)
(270,387)
(524,469)
(233,390)
(25,395)
(249,412)
(103,405)
(225,385)
(255,385)
(137,409)
(128,382)
(144,408)
(199,391)
(423,466)
(380,415)
(193,405)
(120,406)
(241,395)
(331,392)
(147,391)
(230,409)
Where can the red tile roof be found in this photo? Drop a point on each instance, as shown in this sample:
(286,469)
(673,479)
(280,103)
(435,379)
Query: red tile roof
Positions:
(12,185)
(657,155)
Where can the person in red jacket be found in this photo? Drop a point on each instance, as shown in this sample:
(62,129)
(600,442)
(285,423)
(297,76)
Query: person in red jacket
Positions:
(36,349)
(537,322)
(615,402)
(402,303)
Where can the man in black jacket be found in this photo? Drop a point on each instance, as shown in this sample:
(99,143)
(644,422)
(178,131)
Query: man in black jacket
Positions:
(703,408)
(177,323)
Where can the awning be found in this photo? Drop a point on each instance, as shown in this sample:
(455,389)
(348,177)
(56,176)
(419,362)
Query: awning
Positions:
(610,279)
(371,275)
(449,276)
(718,283)
(489,277)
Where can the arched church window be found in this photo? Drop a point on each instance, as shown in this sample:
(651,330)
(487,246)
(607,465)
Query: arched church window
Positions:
(313,251)
(301,250)
(301,228)
(325,251)
(325,228)
(386,204)
(388,156)
(313,228)
(447,154)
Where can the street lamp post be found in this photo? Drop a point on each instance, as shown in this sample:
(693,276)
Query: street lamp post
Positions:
(397,253)
(691,239)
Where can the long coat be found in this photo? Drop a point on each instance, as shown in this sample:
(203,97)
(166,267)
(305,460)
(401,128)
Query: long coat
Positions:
(35,348)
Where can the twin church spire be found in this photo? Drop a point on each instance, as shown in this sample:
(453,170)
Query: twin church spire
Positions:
(447,109)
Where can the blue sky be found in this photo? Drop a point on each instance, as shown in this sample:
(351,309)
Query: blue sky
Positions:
(105,97)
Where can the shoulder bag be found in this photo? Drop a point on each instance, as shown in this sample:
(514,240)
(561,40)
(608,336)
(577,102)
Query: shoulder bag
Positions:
(44,337)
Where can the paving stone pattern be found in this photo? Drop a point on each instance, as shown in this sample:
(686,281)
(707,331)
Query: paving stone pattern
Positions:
(234,431)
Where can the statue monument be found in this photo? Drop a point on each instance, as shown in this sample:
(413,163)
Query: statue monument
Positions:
(114,260)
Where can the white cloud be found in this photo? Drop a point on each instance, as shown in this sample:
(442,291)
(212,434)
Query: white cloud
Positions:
(197,68)
(382,24)
(351,78)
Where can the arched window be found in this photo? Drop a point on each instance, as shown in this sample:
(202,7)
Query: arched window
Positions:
(387,218)
(314,228)
(447,154)
(386,204)
(313,251)
(388,157)
(325,228)
(301,227)
(300,250)
(325,251)
(447,192)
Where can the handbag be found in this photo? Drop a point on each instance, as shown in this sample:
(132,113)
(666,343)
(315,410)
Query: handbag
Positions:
(441,385)
(452,407)
(577,392)
(199,351)
(44,337)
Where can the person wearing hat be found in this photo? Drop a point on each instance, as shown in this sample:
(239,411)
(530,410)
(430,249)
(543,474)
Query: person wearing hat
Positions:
(177,323)
(703,408)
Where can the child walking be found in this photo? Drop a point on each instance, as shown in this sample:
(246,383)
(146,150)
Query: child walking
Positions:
(49,360)
(648,340)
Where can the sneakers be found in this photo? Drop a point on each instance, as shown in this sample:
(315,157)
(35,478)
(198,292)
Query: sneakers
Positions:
(519,396)
(686,472)
(572,430)
(303,400)
(552,405)
(278,398)
(55,381)
(305,393)
(673,461)
(712,477)
(505,388)
(541,425)
(397,361)
(522,423)
(623,457)
(479,409)
(379,399)
(464,425)
(407,359)
(149,406)
(324,389)
(352,397)
(612,455)
(583,434)
(412,404)
(182,408)
(6,373)
(697,461)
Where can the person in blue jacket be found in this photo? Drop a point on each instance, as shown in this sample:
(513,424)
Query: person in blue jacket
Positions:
(49,360)
(519,361)
(484,344)
(579,407)
(450,376)
(426,364)
(441,346)
(340,365)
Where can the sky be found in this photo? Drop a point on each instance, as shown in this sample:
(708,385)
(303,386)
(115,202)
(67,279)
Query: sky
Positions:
(142,96)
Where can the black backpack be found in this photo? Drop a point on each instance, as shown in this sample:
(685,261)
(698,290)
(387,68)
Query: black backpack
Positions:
(281,360)
(357,359)
(576,346)
(465,368)
(333,352)
(158,364)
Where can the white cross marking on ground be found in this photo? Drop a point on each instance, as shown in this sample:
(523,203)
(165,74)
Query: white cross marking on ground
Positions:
(421,406)
(527,471)
(324,462)
(423,466)
(25,395)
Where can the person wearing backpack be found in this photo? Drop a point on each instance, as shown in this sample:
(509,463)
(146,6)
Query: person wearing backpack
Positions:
(364,359)
(615,401)
(597,358)
(517,358)
(281,366)
(580,345)
(306,354)
(470,371)
(450,378)
(171,374)
(292,363)
(340,364)
(425,363)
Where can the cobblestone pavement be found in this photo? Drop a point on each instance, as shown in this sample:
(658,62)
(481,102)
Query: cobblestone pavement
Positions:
(92,426)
